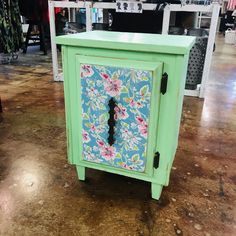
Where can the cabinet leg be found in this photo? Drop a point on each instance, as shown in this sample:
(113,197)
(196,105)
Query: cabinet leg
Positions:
(81,172)
(156,190)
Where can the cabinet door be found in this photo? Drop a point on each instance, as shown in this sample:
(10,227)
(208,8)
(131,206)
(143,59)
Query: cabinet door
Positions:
(119,102)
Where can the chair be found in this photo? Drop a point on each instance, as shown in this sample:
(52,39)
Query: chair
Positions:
(35,33)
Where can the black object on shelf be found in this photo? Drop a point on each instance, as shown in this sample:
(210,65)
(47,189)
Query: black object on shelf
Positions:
(100,26)
(196,58)
(174,30)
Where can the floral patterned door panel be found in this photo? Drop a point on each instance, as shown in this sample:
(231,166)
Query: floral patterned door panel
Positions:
(131,90)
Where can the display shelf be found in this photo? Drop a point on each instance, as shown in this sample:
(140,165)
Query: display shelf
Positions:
(214,8)
(64,4)
(193,93)
(88,5)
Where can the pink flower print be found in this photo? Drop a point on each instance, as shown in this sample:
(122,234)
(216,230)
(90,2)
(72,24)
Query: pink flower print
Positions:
(92,92)
(142,126)
(136,104)
(86,137)
(100,143)
(126,135)
(99,129)
(140,120)
(143,129)
(93,128)
(125,166)
(108,152)
(105,76)
(139,105)
(132,103)
(86,71)
(89,156)
(120,112)
(113,87)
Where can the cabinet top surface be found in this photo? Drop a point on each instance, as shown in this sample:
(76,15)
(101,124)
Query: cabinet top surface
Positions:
(170,44)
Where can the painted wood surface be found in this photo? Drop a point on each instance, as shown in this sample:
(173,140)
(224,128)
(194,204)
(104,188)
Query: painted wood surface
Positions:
(170,44)
(165,110)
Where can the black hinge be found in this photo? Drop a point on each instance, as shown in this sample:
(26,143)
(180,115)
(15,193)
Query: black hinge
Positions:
(164,81)
(156,160)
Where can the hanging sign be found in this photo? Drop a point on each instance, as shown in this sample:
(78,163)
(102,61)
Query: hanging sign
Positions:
(129,7)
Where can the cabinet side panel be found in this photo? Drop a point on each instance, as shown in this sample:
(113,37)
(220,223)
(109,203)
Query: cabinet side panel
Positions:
(167,120)
(170,114)
(73,114)
(67,102)
(181,66)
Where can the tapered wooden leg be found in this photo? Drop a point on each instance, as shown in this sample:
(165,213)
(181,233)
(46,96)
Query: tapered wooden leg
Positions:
(81,172)
(156,190)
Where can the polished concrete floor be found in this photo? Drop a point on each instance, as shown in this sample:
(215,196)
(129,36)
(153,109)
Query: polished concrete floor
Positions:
(41,195)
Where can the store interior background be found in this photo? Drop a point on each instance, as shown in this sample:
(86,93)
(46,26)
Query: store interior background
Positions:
(39,191)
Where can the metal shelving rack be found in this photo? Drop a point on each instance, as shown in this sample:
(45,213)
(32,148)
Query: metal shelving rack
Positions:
(57,75)
(214,8)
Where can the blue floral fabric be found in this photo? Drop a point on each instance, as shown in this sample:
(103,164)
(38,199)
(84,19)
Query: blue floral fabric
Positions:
(131,89)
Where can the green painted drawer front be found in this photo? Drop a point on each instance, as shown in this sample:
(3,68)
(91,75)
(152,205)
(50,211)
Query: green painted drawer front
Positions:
(134,90)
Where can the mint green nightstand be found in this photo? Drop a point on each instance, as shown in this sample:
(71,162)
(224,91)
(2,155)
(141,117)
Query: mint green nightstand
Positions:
(123,98)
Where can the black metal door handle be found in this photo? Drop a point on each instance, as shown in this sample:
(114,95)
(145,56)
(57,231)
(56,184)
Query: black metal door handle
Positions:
(111,122)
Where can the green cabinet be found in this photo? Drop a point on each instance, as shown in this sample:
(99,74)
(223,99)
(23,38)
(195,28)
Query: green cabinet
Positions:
(123,98)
